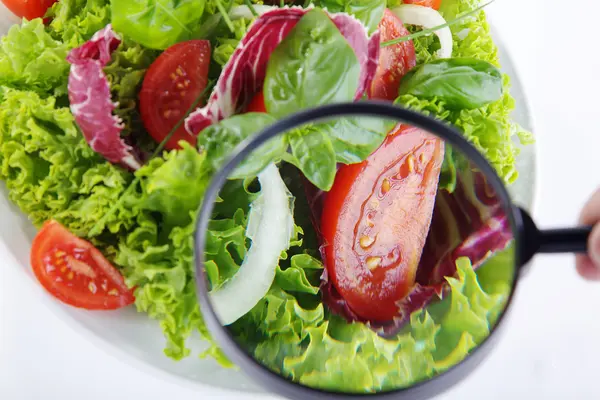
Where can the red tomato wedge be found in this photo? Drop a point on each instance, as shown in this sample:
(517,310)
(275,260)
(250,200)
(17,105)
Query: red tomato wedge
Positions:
(29,9)
(375,221)
(435,4)
(171,85)
(76,272)
(257,104)
(394,61)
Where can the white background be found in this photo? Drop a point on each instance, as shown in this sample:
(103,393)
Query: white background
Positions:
(551,349)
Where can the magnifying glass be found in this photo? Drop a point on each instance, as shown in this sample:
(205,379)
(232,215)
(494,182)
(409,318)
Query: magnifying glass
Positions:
(387,274)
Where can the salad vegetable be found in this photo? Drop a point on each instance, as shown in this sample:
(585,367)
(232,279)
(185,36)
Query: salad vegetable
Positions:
(171,85)
(380,240)
(27,8)
(75,271)
(114,116)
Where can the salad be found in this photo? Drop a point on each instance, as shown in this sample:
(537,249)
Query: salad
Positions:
(114,116)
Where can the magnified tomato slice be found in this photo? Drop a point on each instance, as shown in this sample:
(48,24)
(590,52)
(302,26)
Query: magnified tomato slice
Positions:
(171,85)
(76,272)
(394,61)
(375,221)
(435,4)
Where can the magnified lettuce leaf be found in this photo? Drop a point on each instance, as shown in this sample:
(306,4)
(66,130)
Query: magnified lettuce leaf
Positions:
(296,337)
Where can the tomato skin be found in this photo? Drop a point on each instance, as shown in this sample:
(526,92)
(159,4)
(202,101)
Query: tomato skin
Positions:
(394,61)
(375,221)
(29,9)
(435,4)
(257,104)
(75,272)
(171,85)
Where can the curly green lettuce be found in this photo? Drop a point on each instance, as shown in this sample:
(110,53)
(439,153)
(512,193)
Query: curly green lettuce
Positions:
(49,169)
(75,21)
(125,74)
(31,59)
(292,334)
(489,128)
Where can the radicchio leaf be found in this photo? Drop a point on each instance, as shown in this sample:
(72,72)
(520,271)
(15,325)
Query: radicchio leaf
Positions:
(90,98)
(244,74)
(470,222)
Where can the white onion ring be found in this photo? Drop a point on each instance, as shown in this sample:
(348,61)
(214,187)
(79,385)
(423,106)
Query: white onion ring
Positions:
(270,227)
(428,18)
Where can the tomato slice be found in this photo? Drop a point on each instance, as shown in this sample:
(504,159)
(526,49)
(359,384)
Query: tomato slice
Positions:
(76,272)
(29,9)
(394,61)
(375,221)
(435,4)
(171,85)
(257,104)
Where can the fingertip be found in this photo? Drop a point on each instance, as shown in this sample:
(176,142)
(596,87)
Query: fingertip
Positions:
(594,246)
(590,213)
(586,268)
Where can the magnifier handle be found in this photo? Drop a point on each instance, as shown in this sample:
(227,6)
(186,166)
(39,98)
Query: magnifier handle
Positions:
(566,240)
(569,240)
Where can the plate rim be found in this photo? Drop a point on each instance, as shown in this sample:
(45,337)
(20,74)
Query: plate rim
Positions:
(121,355)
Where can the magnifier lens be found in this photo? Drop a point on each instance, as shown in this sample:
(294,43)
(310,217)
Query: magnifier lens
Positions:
(346,260)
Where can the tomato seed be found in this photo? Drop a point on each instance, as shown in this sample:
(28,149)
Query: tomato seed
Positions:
(411,163)
(373,262)
(385,186)
(366,241)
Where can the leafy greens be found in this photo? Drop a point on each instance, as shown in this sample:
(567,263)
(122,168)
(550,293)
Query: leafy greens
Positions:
(50,172)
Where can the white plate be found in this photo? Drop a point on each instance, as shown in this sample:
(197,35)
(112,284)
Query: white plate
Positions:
(132,336)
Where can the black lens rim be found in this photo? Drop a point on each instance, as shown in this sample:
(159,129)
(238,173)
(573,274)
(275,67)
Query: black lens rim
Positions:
(275,382)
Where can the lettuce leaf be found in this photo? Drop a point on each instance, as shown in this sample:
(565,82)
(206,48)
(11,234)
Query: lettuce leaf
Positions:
(157,24)
(75,21)
(31,59)
(226,41)
(125,74)
(489,128)
(49,170)
(296,337)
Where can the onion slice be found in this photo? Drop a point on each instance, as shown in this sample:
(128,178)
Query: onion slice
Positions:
(428,18)
(245,12)
(270,227)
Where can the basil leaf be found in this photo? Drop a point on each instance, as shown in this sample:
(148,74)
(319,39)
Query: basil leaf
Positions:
(314,155)
(313,65)
(219,140)
(369,12)
(157,24)
(354,139)
(461,83)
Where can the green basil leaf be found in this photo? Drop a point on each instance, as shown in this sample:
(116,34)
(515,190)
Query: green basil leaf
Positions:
(157,24)
(219,140)
(461,83)
(354,139)
(315,155)
(369,12)
(312,66)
